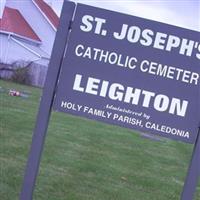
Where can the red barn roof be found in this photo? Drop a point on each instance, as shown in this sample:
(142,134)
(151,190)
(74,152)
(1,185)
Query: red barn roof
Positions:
(14,23)
(48,12)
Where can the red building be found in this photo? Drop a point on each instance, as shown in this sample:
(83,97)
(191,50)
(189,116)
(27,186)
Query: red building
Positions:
(27,33)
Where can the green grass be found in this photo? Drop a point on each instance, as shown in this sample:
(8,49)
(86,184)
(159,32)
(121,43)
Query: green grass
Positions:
(86,160)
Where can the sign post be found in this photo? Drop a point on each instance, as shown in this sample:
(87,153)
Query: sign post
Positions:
(46,102)
(193,175)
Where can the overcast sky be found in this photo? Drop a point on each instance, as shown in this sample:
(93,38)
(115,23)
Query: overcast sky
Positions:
(183,13)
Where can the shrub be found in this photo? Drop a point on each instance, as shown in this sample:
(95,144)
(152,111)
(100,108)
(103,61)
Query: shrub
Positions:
(21,73)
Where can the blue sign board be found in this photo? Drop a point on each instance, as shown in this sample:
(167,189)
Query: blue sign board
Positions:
(122,70)
(131,72)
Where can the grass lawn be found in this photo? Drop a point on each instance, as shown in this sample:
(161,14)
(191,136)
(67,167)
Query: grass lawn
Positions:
(86,160)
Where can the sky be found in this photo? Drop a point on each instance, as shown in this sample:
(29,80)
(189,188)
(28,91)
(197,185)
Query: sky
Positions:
(182,13)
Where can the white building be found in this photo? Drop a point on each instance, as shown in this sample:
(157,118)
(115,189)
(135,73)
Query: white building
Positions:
(27,31)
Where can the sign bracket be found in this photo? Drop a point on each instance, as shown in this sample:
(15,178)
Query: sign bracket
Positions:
(46,102)
(52,93)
